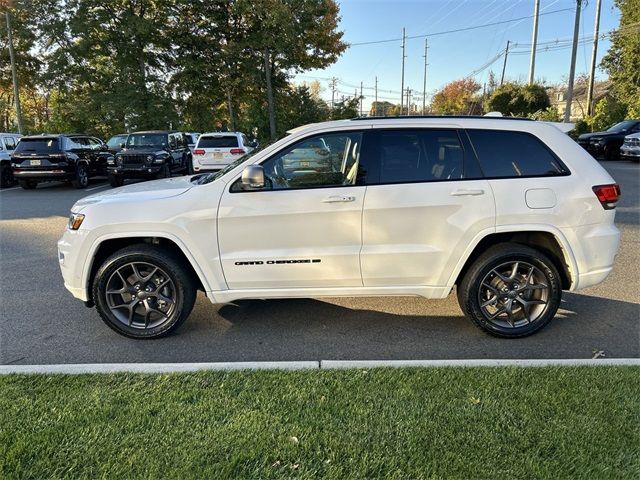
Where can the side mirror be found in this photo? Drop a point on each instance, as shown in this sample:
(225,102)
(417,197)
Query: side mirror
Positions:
(103,148)
(252,177)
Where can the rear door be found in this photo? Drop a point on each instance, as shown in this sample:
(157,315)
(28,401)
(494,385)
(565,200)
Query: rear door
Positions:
(302,230)
(215,151)
(425,204)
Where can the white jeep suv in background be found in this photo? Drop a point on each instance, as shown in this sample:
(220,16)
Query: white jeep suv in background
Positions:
(510,212)
(215,150)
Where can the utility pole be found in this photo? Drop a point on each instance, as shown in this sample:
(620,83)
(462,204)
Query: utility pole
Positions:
(534,41)
(408,101)
(361,97)
(270,104)
(333,84)
(504,65)
(14,74)
(424,81)
(404,38)
(376,103)
(572,68)
(594,52)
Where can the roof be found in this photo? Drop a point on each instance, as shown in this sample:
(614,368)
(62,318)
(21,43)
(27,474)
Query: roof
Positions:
(155,131)
(402,117)
(222,134)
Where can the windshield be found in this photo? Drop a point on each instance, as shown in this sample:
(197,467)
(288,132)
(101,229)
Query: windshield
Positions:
(619,127)
(116,140)
(41,145)
(210,177)
(146,140)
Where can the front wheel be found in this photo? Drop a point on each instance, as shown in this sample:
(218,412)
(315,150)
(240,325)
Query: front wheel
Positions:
(116,180)
(143,292)
(6,176)
(164,172)
(510,291)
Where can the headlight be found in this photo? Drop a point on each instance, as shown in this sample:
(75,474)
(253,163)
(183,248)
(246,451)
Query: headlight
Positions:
(149,159)
(75,220)
(595,140)
(110,161)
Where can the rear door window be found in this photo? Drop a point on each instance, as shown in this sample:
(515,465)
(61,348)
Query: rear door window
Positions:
(415,155)
(508,154)
(218,142)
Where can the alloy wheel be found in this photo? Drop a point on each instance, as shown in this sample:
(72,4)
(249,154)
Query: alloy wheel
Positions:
(514,294)
(141,295)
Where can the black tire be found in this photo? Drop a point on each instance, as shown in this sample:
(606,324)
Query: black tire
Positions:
(164,172)
(81,178)
(6,176)
(610,154)
(116,180)
(189,165)
(182,287)
(482,285)
(28,184)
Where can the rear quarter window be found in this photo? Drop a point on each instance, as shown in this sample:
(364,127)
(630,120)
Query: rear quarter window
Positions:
(509,154)
(218,142)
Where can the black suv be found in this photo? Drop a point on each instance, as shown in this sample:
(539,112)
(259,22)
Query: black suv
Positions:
(154,154)
(608,143)
(73,158)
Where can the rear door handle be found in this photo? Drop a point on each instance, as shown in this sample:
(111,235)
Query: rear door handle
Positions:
(339,198)
(463,192)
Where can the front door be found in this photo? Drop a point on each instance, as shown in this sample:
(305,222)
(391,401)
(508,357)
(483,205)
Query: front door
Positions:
(424,206)
(304,228)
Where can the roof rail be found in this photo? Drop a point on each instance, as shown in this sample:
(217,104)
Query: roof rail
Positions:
(442,116)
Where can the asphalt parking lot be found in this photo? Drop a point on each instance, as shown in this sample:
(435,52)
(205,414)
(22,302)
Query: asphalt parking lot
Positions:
(42,324)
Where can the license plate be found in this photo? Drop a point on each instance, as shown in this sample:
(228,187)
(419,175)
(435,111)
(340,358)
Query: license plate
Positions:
(35,163)
(304,164)
(217,154)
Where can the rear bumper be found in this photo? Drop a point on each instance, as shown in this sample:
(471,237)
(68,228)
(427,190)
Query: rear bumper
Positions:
(53,174)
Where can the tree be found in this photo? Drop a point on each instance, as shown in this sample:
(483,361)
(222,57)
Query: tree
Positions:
(518,100)
(383,108)
(456,98)
(348,108)
(622,61)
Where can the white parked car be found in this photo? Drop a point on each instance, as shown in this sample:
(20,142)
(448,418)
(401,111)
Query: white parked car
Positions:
(8,142)
(630,149)
(510,212)
(216,150)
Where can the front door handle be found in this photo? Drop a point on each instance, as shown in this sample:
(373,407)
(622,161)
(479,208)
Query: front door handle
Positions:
(463,192)
(339,198)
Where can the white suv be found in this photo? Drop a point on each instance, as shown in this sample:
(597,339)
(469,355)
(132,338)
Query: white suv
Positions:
(216,150)
(511,212)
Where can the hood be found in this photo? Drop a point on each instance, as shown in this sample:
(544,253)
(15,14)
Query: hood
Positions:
(142,151)
(138,192)
(586,136)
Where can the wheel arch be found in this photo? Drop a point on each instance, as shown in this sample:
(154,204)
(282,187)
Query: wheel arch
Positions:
(104,247)
(551,243)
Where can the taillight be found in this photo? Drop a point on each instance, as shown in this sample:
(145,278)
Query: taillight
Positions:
(198,151)
(237,151)
(608,195)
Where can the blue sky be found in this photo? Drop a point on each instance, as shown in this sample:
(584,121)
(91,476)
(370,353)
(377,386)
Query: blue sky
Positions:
(456,55)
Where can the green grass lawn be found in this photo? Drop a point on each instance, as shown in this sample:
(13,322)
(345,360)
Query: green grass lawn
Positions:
(466,423)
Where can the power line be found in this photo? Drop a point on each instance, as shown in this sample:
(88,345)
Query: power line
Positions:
(446,32)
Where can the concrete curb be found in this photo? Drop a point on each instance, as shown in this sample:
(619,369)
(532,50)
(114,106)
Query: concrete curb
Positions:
(74,369)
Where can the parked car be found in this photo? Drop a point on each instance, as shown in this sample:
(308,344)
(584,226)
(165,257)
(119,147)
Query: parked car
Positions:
(608,143)
(117,142)
(8,142)
(630,149)
(216,150)
(152,154)
(74,158)
(191,139)
(510,212)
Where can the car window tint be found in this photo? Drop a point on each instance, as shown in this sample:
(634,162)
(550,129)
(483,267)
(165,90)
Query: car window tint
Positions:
(503,153)
(218,142)
(9,142)
(320,161)
(423,155)
(42,145)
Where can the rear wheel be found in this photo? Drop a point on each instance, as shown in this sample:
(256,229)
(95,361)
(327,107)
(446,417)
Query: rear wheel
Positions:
(28,184)
(510,291)
(143,292)
(116,180)
(6,176)
(81,178)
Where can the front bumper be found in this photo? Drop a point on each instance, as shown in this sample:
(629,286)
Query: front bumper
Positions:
(133,172)
(632,153)
(594,149)
(71,261)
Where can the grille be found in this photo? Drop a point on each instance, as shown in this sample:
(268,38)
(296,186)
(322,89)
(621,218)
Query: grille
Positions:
(632,141)
(133,159)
